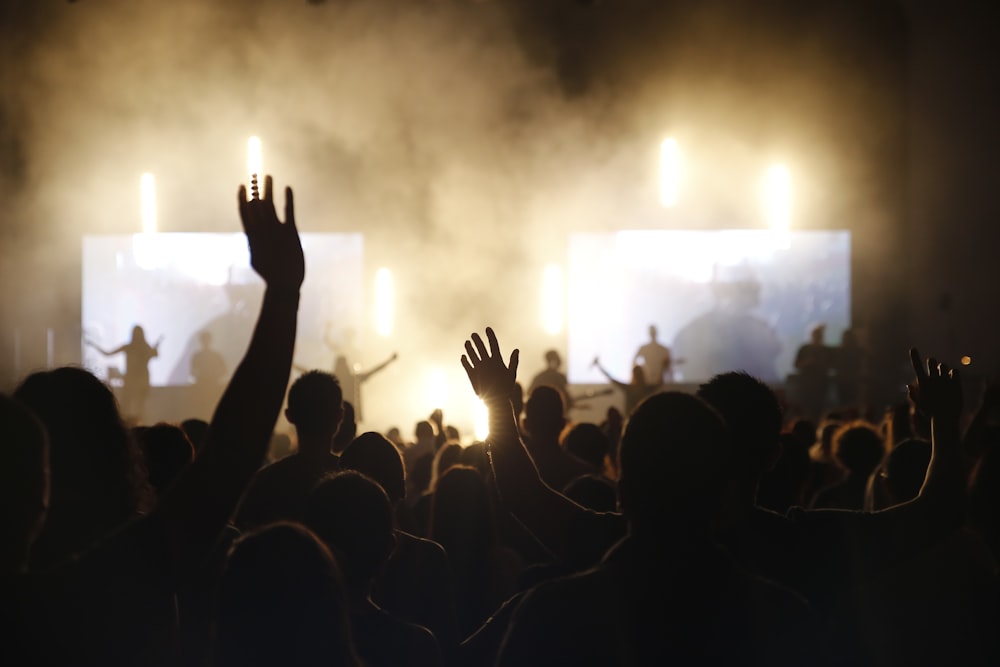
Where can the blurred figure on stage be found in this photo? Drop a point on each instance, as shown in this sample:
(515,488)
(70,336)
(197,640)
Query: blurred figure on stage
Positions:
(135,387)
(208,371)
(654,359)
(351,380)
(812,362)
(552,376)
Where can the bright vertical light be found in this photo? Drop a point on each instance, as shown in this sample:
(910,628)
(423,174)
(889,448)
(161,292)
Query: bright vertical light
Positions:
(147,188)
(670,172)
(778,198)
(385,302)
(254,159)
(481,420)
(552,299)
(437,388)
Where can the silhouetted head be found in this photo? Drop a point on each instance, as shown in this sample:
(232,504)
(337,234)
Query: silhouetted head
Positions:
(462,519)
(166,451)
(905,468)
(445,457)
(205,339)
(138,334)
(282,601)
(652,333)
(552,359)
(672,461)
(475,455)
(424,430)
(352,514)
(372,454)
(97,477)
(858,447)
(24,482)
(544,413)
(816,334)
(753,414)
(587,442)
(638,376)
(315,405)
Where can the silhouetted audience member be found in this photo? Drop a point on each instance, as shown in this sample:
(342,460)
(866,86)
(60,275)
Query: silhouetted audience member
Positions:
(282,601)
(196,431)
(667,593)
(24,485)
(781,487)
(114,602)
(166,451)
(586,442)
(544,420)
(98,480)
(446,457)
(352,514)
(419,454)
(858,449)
(279,491)
(415,584)
(463,522)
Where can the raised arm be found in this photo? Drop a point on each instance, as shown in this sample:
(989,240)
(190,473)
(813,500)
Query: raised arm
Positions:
(367,374)
(202,501)
(545,512)
(604,372)
(938,510)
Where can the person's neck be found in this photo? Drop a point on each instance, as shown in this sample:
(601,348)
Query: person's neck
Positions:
(315,446)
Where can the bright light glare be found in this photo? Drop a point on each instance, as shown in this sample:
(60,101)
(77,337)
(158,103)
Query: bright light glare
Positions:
(437,388)
(966,360)
(670,172)
(254,159)
(481,420)
(147,187)
(552,299)
(384,302)
(778,198)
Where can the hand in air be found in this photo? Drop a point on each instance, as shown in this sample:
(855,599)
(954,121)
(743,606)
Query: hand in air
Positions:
(275,248)
(936,390)
(489,375)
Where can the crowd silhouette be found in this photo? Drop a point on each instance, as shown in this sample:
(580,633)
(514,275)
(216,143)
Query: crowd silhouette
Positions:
(701,528)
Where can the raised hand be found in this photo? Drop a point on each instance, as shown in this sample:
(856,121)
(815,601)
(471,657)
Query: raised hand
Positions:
(489,375)
(936,390)
(275,248)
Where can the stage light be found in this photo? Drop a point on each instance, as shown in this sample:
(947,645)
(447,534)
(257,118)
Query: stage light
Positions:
(384,302)
(966,360)
(254,159)
(552,299)
(481,420)
(778,198)
(147,187)
(670,172)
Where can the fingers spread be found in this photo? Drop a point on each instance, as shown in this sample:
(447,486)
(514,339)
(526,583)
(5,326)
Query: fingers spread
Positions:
(514,357)
(469,350)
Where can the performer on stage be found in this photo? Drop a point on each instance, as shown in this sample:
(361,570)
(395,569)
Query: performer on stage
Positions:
(654,359)
(135,389)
